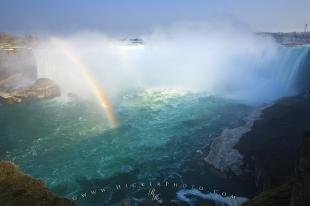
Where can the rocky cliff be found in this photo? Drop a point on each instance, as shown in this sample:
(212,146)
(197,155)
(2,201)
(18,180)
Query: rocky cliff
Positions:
(222,155)
(296,192)
(19,189)
(301,189)
(272,150)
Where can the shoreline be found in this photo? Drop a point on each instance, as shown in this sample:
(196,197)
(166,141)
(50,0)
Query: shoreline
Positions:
(222,156)
(266,149)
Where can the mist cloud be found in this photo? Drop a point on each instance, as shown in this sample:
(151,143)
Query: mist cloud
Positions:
(220,59)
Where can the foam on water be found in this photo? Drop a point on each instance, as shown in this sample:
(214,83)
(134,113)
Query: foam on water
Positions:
(184,195)
(171,95)
(62,142)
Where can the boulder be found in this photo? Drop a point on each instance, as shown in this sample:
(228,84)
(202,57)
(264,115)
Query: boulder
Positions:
(43,88)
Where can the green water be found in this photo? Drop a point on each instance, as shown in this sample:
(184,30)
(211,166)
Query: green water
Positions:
(70,146)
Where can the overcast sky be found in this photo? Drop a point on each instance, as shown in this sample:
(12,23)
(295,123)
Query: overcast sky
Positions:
(131,17)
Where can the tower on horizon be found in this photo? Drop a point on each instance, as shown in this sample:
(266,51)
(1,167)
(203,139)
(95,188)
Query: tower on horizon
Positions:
(306,28)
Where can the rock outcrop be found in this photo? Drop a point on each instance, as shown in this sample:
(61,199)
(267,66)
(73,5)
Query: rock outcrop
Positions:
(266,146)
(222,154)
(42,89)
(271,147)
(19,189)
(268,152)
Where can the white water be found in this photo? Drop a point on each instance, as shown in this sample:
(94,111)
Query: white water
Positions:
(220,200)
(225,62)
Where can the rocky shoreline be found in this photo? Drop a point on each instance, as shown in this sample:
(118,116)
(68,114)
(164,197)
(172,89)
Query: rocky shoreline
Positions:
(18,83)
(266,149)
(41,89)
(222,154)
(271,149)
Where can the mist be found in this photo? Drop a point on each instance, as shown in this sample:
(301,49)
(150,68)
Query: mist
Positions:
(218,59)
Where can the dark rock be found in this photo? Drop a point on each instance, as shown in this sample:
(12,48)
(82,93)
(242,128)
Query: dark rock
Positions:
(301,190)
(271,147)
(295,192)
(19,189)
(279,196)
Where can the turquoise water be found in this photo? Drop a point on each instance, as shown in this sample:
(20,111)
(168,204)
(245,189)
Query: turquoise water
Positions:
(69,145)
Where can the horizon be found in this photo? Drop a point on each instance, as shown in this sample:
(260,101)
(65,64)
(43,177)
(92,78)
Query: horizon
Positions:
(123,18)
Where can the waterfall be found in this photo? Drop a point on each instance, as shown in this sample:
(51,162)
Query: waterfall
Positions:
(253,70)
(289,64)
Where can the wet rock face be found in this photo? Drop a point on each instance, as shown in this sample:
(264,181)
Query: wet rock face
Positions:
(19,189)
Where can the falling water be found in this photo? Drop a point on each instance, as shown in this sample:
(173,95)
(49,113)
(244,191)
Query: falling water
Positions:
(161,126)
(287,67)
(262,75)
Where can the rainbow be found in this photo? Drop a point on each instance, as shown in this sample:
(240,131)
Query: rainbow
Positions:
(95,86)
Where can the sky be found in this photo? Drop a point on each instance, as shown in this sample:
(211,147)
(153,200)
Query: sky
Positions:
(131,17)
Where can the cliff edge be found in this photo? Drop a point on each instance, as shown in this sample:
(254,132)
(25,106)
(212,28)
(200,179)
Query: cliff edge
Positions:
(19,189)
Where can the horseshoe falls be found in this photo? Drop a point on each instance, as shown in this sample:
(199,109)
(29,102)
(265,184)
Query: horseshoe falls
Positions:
(168,109)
